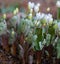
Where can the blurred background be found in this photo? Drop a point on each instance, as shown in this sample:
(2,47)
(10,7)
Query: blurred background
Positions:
(46,5)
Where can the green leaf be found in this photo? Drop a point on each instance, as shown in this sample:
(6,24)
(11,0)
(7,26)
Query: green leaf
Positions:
(39,34)
(39,37)
(51,30)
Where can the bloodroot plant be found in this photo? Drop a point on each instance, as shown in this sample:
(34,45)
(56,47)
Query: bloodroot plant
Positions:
(31,33)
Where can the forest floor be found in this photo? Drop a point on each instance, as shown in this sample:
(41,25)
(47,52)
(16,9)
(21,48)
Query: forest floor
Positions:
(6,58)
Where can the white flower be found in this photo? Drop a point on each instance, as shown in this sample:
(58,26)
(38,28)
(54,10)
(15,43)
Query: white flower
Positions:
(42,15)
(58,4)
(48,18)
(36,8)
(39,15)
(38,4)
(30,5)
(50,15)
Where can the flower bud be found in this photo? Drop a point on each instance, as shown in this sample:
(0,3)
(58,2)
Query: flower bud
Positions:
(17,10)
(4,16)
(14,12)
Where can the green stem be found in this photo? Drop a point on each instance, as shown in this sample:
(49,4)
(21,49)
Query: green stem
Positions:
(58,14)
